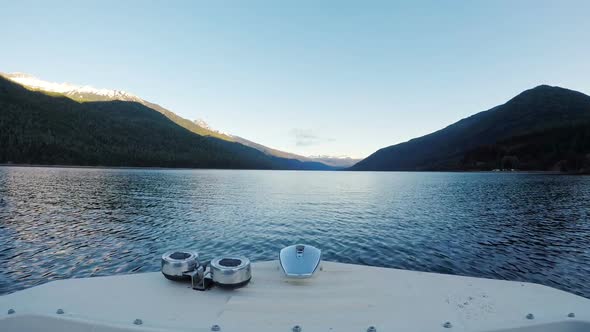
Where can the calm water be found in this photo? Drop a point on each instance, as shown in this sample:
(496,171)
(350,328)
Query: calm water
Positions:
(64,223)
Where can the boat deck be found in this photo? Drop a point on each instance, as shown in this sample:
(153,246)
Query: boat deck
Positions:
(340,297)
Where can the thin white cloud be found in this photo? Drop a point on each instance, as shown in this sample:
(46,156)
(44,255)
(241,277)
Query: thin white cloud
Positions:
(307,137)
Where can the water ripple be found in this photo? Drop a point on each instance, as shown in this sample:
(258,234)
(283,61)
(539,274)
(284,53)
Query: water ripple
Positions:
(69,223)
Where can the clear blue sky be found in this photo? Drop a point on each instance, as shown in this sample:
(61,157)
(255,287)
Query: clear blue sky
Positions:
(336,77)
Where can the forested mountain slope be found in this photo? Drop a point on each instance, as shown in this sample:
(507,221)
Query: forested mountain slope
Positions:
(545,127)
(37,128)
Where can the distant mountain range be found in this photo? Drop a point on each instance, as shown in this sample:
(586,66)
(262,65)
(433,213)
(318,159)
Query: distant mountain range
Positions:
(544,128)
(89,95)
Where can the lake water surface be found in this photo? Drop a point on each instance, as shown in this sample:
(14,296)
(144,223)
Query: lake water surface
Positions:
(60,223)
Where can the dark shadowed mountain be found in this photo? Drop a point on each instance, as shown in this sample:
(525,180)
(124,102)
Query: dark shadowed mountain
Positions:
(91,94)
(37,128)
(544,128)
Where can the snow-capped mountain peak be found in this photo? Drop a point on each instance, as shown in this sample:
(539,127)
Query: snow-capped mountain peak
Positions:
(68,89)
(203,124)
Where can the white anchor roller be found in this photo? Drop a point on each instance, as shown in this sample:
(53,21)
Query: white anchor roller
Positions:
(300,260)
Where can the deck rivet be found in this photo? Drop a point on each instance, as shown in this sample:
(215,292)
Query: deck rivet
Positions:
(571,315)
(138,321)
(60,311)
(530,316)
(11,311)
(215,328)
(371,329)
(447,325)
(297,328)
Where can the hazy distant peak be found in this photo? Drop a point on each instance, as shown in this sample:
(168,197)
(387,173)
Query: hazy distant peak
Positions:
(69,89)
(335,161)
(325,156)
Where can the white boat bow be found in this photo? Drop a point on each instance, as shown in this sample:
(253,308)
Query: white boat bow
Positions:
(339,297)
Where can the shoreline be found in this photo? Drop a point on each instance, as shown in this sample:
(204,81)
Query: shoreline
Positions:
(128,167)
(261,169)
